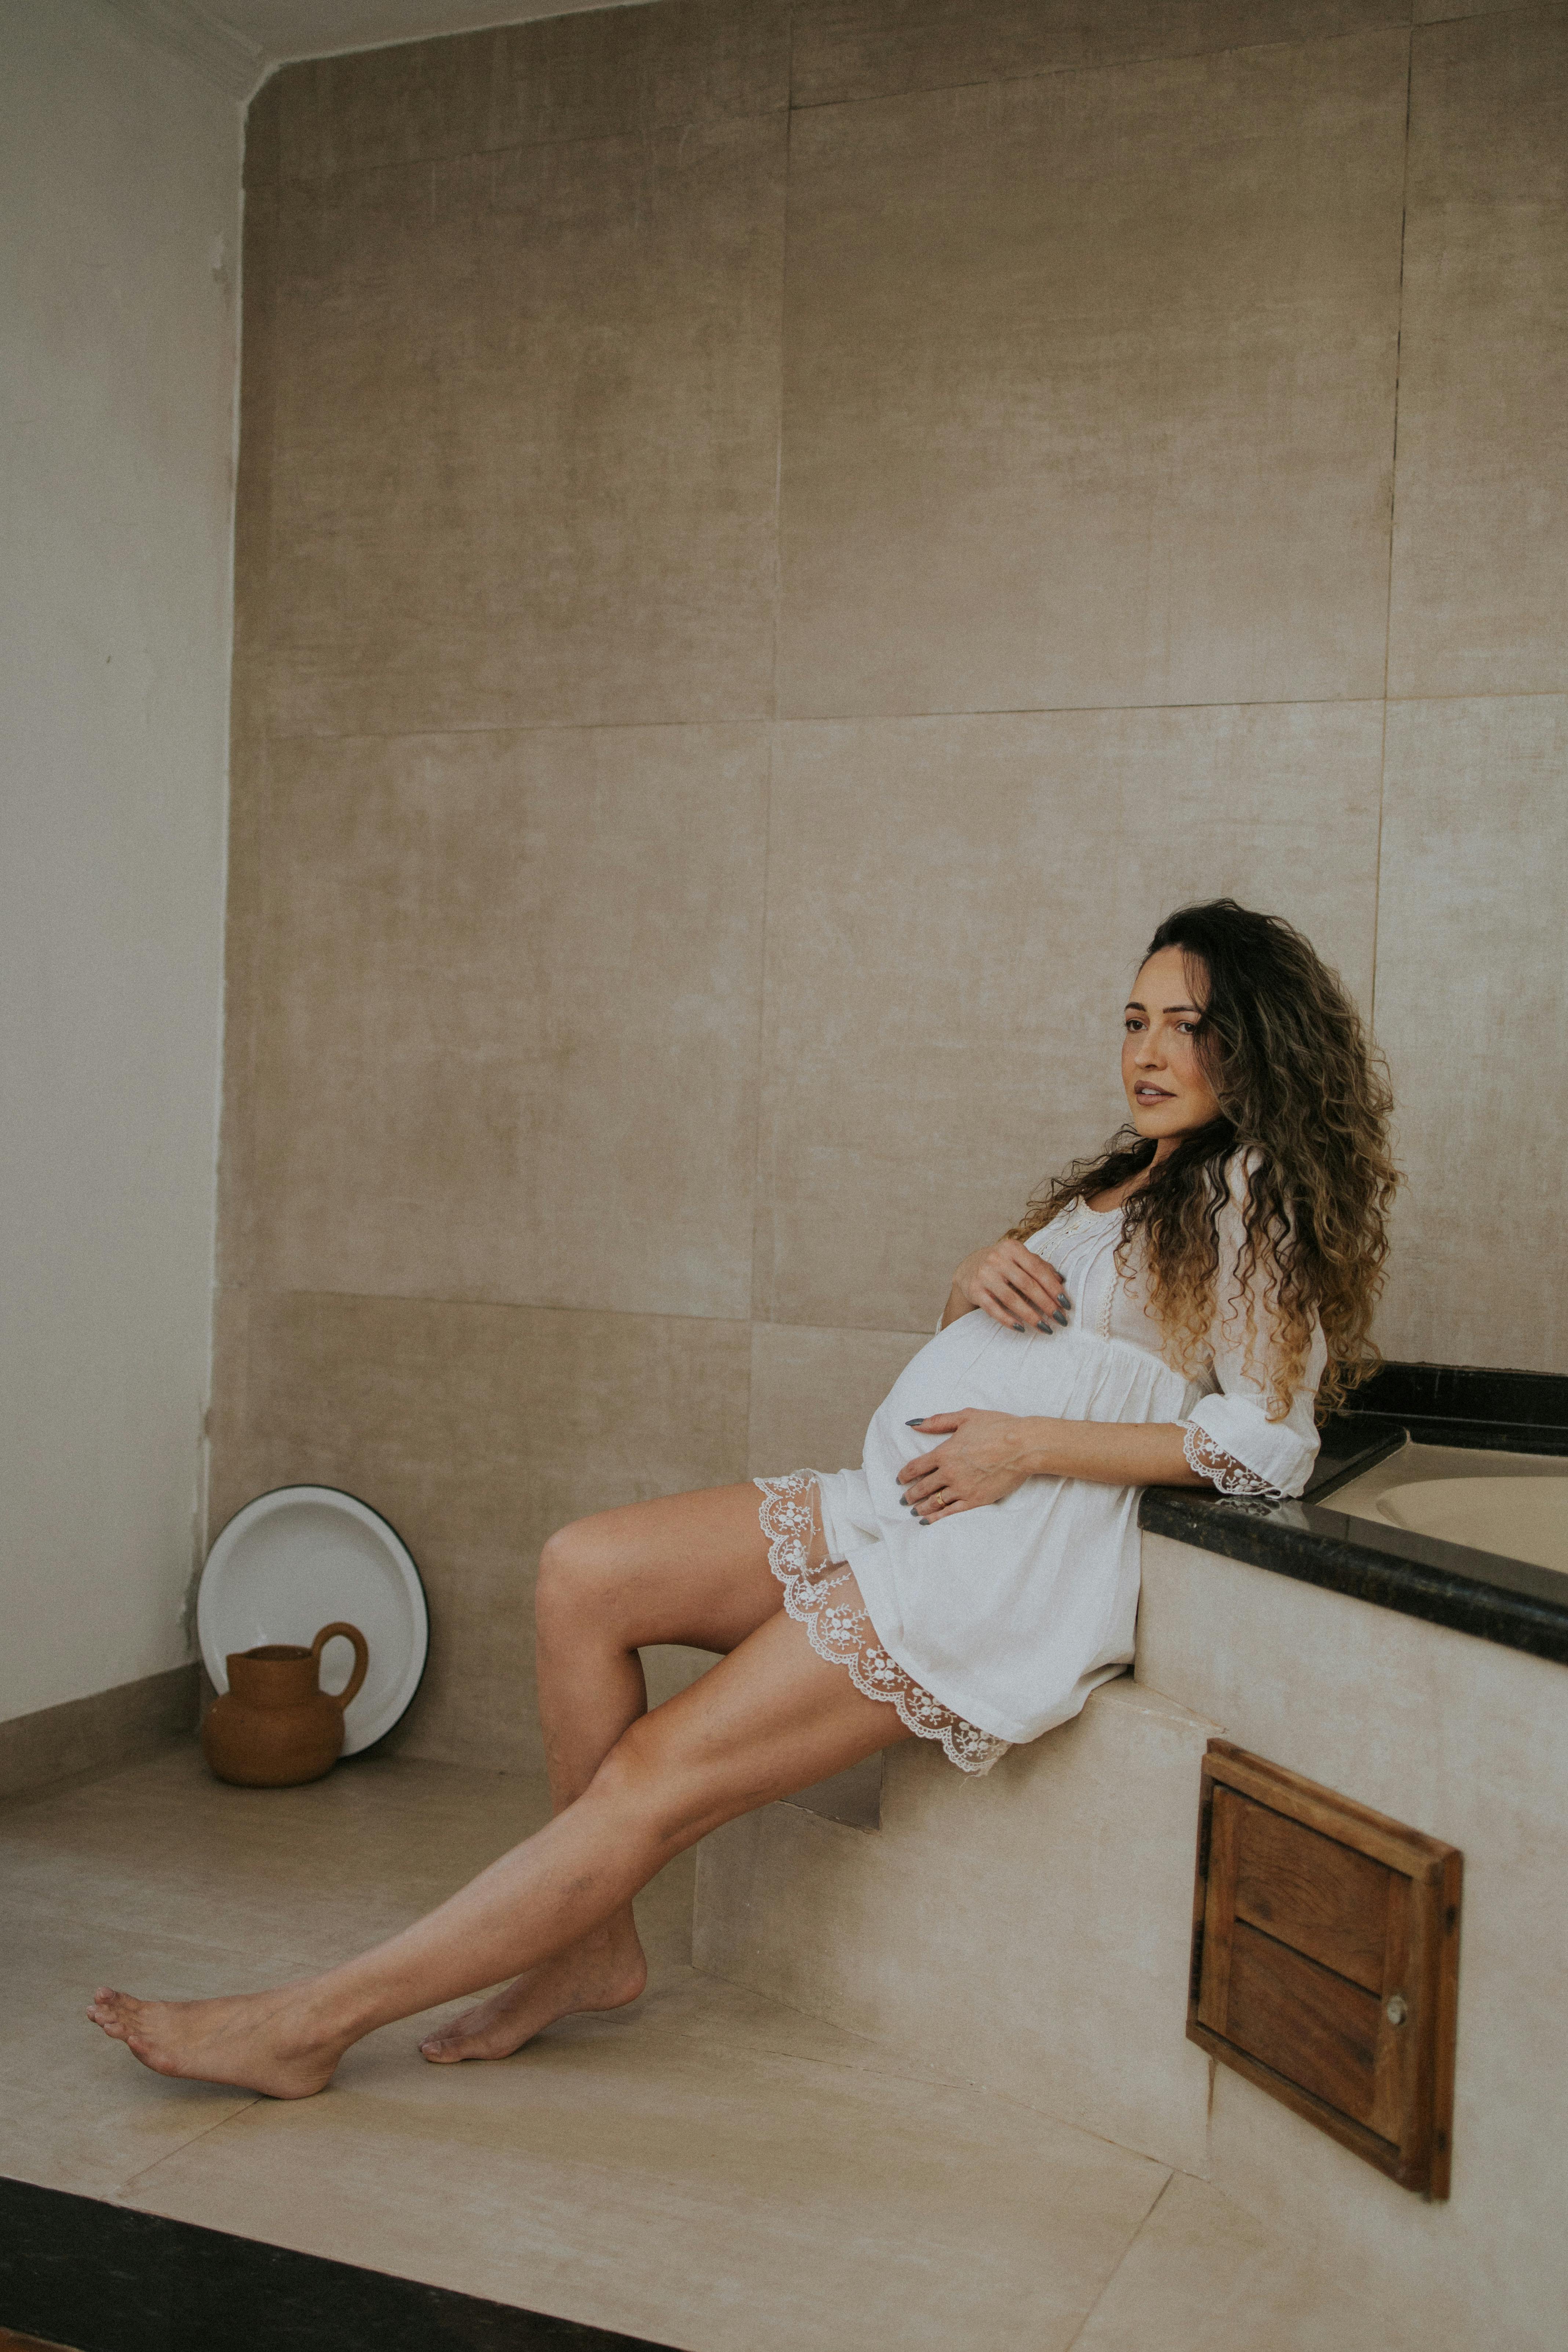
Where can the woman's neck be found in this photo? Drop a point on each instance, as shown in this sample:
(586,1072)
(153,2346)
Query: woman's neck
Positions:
(1117,1193)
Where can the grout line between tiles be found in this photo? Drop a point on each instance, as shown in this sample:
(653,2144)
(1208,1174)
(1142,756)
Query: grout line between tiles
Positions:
(803,719)
(126,2188)
(1115,2270)
(761,1194)
(1469,15)
(554,1307)
(900,718)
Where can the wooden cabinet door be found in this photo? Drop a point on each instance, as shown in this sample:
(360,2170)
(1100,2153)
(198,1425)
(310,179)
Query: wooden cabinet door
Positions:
(1325,1947)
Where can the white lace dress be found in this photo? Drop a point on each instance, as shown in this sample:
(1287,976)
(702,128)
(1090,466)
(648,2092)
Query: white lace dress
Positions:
(988,1628)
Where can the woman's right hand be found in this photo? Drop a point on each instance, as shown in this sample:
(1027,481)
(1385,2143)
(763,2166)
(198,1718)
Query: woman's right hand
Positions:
(1012,1286)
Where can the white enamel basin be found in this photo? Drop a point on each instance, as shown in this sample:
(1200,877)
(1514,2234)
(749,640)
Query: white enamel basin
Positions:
(1522,1519)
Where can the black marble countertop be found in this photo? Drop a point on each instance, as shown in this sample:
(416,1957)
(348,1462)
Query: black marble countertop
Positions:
(1506,1600)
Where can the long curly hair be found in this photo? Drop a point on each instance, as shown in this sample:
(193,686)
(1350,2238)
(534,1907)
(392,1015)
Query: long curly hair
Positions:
(1304,1101)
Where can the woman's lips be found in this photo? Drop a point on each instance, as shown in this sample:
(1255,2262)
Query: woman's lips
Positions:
(1154,1094)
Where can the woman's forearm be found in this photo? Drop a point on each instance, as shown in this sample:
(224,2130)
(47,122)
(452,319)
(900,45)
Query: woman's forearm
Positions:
(1113,1453)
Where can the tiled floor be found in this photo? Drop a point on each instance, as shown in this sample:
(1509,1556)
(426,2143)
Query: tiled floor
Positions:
(708,2170)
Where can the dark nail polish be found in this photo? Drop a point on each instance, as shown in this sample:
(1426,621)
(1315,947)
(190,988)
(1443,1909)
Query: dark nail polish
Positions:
(916,1423)
(1062,1299)
(1043,1325)
(1061,1318)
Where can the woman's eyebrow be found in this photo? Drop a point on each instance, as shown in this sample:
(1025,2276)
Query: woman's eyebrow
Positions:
(1132,1006)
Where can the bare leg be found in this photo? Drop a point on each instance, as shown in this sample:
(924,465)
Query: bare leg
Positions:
(770,1718)
(689,1569)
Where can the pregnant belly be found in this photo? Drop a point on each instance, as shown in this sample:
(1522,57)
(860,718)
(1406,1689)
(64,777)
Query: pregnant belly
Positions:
(1067,1376)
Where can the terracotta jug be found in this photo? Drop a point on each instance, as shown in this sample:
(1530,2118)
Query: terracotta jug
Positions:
(276,1725)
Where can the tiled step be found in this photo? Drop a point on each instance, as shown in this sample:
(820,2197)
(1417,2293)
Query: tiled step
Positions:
(1028,1930)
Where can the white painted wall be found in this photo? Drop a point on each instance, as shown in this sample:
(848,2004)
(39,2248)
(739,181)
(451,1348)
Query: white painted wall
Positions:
(118,237)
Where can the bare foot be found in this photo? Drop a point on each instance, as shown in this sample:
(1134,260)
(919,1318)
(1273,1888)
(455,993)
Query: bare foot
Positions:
(594,1974)
(256,2042)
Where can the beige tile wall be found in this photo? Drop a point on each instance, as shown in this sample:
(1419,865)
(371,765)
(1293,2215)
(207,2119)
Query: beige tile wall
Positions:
(1480,573)
(1089,386)
(775,541)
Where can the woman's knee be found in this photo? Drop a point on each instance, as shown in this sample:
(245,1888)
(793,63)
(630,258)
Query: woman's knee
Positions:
(645,1768)
(670,1783)
(579,1571)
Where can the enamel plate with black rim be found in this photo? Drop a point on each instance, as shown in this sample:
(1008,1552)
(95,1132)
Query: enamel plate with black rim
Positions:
(299,1559)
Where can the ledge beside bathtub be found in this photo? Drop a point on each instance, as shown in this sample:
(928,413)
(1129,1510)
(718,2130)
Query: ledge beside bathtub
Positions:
(1496,1600)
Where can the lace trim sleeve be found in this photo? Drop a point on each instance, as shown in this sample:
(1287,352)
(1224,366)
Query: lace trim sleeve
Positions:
(1231,1476)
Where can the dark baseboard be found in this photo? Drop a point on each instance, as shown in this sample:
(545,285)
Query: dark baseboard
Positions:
(104,2278)
(94,1735)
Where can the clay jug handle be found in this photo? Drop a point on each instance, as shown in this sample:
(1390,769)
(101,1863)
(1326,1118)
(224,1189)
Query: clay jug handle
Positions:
(362,1660)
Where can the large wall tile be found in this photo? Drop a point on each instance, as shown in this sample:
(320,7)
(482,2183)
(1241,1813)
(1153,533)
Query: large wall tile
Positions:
(505,1020)
(247,756)
(634,69)
(876,49)
(955,910)
(603,73)
(525,455)
(1480,564)
(263,127)
(475,1430)
(813,1392)
(1469,1009)
(414,102)
(1090,387)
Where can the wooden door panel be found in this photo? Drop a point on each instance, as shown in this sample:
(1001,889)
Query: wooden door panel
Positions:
(1309,1892)
(1313,2027)
(1325,1961)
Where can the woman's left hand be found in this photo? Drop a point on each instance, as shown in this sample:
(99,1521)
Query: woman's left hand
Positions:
(984,1457)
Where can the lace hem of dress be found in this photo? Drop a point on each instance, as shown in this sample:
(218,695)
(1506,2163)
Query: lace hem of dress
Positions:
(844,1636)
(1231,1476)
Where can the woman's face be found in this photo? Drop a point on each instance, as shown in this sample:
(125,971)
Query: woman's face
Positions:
(1167,1091)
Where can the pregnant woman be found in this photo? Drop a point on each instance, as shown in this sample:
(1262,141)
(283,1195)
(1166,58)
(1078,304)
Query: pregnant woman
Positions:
(1169,1313)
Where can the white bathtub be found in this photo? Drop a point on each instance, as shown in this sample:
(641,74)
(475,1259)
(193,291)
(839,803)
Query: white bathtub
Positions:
(1513,1505)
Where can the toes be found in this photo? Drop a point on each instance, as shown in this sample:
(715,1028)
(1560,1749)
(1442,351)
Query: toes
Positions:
(140,2047)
